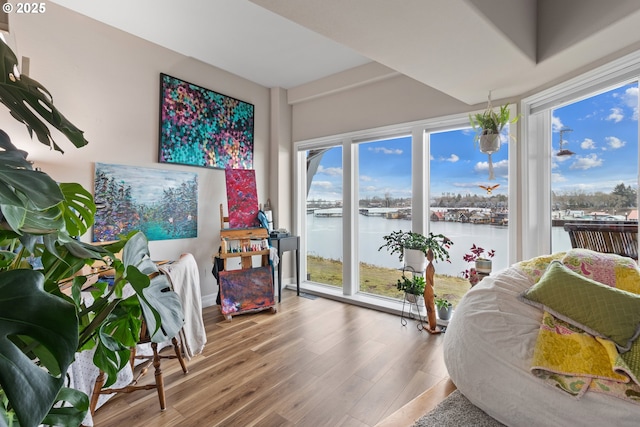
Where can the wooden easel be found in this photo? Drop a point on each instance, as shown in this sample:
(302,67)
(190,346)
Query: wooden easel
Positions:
(243,243)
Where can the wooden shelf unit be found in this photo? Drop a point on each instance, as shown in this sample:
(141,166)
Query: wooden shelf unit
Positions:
(246,237)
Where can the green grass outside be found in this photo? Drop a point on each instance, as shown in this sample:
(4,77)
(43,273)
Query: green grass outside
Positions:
(382,281)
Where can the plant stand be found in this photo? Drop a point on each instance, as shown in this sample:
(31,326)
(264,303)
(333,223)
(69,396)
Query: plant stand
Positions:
(410,303)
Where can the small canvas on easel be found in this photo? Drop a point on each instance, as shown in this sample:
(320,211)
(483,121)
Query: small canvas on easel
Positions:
(242,198)
(246,290)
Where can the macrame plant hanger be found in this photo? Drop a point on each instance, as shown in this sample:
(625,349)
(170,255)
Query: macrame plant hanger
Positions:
(491,174)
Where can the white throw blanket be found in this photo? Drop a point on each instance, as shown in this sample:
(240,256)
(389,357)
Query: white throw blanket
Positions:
(185,280)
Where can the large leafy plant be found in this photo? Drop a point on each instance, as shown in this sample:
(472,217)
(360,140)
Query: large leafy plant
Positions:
(397,241)
(41,328)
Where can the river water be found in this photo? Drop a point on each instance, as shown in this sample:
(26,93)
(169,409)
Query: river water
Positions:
(324,239)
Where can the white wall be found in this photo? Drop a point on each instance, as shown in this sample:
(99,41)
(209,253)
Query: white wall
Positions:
(106,82)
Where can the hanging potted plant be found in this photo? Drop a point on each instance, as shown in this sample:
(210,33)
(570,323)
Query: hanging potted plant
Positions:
(412,248)
(488,125)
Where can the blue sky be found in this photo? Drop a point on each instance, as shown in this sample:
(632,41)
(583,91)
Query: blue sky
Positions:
(604,140)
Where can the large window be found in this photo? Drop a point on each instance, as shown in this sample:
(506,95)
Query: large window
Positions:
(594,161)
(467,206)
(384,205)
(423,178)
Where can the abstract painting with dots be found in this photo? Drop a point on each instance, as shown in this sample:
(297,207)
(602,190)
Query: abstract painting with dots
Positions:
(200,127)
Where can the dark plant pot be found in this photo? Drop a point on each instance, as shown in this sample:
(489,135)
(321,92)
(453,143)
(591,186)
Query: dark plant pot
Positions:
(444,313)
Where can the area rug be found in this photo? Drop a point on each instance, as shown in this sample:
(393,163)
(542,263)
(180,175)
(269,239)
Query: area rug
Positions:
(456,410)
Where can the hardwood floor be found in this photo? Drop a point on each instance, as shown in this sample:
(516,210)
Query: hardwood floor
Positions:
(316,362)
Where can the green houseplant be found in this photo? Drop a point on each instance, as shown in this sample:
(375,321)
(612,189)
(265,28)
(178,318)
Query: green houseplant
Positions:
(487,126)
(41,328)
(444,308)
(398,242)
(414,285)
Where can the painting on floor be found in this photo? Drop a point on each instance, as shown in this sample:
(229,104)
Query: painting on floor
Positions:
(200,127)
(242,198)
(162,204)
(245,290)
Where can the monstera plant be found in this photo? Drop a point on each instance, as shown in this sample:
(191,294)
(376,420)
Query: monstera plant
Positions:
(42,328)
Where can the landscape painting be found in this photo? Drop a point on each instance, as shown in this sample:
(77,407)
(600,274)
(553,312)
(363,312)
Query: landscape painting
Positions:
(162,204)
(200,127)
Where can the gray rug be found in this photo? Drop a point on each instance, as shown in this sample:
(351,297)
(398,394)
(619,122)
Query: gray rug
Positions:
(456,410)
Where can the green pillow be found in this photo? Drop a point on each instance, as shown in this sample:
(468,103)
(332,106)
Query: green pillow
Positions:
(592,306)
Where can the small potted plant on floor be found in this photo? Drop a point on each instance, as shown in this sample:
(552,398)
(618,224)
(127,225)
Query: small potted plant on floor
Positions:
(412,248)
(444,308)
(483,263)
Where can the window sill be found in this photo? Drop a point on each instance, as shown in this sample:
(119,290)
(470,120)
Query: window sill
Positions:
(373,302)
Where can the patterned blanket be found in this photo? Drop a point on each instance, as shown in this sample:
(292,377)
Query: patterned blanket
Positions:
(568,358)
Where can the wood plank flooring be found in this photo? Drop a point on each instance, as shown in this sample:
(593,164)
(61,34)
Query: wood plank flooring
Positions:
(316,362)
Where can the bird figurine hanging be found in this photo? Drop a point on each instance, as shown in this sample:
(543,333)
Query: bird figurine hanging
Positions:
(489,188)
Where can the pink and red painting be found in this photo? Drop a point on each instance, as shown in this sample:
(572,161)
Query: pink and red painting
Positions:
(246,290)
(242,198)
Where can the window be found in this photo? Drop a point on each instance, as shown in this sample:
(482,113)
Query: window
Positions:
(323,237)
(384,205)
(372,183)
(594,161)
(606,97)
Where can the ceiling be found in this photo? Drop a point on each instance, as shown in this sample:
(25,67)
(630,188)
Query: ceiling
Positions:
(464,48)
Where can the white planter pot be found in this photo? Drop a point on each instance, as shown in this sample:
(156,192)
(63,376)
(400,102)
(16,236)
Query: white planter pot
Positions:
(415,260)
(490,143)
(483,266)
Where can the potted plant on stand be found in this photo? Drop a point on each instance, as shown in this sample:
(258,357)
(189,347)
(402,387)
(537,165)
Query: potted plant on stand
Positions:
(412,248)
(483,264)
(434,247)
(444,308)
(412,287)
(488,125)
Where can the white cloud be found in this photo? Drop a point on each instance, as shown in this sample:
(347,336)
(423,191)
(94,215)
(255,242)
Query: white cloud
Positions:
(616,115)
(452,158)
(586,162)
(385,150)
(557,177)
(325,185)
(615,143)
(556,124)
(500,168)
(330,171)
(588,144)
(365,178)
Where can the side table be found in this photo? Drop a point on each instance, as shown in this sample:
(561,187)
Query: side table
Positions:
(285,244)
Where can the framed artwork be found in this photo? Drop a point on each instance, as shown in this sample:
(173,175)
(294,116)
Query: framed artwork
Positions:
(162,204)
(200,127)
(242,198)
(245,290)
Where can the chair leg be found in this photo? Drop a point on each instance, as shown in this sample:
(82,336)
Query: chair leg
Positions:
(158,374)
(95,395)
(178,349)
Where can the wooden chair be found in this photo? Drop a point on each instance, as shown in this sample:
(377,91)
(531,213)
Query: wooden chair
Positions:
(154,359)
(621,239)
